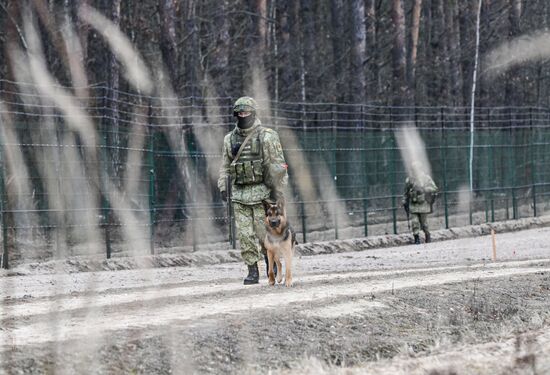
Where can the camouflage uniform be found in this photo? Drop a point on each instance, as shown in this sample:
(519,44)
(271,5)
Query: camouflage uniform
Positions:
(420,191)
(259,171)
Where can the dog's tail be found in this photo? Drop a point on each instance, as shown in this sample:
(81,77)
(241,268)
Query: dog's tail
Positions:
(294,240)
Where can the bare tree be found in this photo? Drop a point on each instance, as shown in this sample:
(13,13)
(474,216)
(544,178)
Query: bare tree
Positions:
(512,96)
(290,55)
(192,48)
(308,57)
(453,44)
(358,51)
(261,28)
(413,50)
(373,77)
(337,20)
(168,41)
(435,77)
(113,95)
(219,61)
(82,30)
(399,86)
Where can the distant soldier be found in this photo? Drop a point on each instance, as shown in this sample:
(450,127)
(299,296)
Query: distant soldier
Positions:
(418,199)
(253,158)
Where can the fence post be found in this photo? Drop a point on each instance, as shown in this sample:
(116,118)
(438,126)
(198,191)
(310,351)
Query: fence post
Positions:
(303,214)
(533,161)
(193,209)
(497,141)
(443,151)
(152,198)
(472,194)
(365,176)
(5,251)
(106,212)
(334,170)
(392,161)
(513,168)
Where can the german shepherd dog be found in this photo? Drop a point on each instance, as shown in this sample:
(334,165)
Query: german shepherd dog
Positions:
(279,241)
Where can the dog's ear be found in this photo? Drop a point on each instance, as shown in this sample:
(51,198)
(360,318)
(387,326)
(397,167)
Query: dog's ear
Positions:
(267,205)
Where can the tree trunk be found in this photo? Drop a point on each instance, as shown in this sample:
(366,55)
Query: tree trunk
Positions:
(82,30)
(415,28)
(261,29)
(337,18)
(191,47)
(285,61)
(114,86)
(255,28)
(436,46)
(373,80)
(399,86)
(467,11)
(220,56)
(358,51)
(453,43)
(168,42)
(308,56)
(513,80)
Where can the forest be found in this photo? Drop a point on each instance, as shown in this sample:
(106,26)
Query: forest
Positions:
(384,52)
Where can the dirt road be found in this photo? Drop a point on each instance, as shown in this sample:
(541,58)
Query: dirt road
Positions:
(444,307)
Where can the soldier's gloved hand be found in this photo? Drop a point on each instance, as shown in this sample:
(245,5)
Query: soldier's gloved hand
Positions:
(224,195)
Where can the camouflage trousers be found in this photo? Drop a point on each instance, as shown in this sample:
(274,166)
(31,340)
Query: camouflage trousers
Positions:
(419,221)
(250,228)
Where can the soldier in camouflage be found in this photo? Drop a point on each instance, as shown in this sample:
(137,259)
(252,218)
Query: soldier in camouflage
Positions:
(418,199)
(253,158)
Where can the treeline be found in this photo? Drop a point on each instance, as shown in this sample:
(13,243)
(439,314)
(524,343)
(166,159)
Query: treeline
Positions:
(392,52)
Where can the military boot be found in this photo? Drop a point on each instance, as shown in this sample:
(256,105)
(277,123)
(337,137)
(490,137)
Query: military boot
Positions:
(428,237)
(267,266)
(416,239)
(253,275)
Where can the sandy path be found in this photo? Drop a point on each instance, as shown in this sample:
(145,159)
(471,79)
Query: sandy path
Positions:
(146,306)
(130,311)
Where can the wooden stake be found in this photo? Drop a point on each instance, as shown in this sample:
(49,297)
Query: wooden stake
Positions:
(493,238)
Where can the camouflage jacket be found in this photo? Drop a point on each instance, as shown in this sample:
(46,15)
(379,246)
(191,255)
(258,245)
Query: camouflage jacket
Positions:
(272,162)
(420,193)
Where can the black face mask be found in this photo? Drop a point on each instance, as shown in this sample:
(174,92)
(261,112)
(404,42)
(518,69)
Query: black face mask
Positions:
(245,122)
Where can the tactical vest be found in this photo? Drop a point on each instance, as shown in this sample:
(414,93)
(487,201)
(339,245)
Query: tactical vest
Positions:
(248,169)
(416,192)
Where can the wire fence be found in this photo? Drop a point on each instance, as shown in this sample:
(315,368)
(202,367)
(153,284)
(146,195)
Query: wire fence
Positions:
(120,173)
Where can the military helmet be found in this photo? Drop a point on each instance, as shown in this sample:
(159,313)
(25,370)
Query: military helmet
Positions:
(245,104)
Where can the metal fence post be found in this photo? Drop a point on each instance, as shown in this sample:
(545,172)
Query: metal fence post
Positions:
(152,197)
(472,194)
(5,251)
(513,169)
(193,209)
(303,215)
(365,176)
(105,209)
(534,144)
(334,169)
(393,171)
(444,160)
